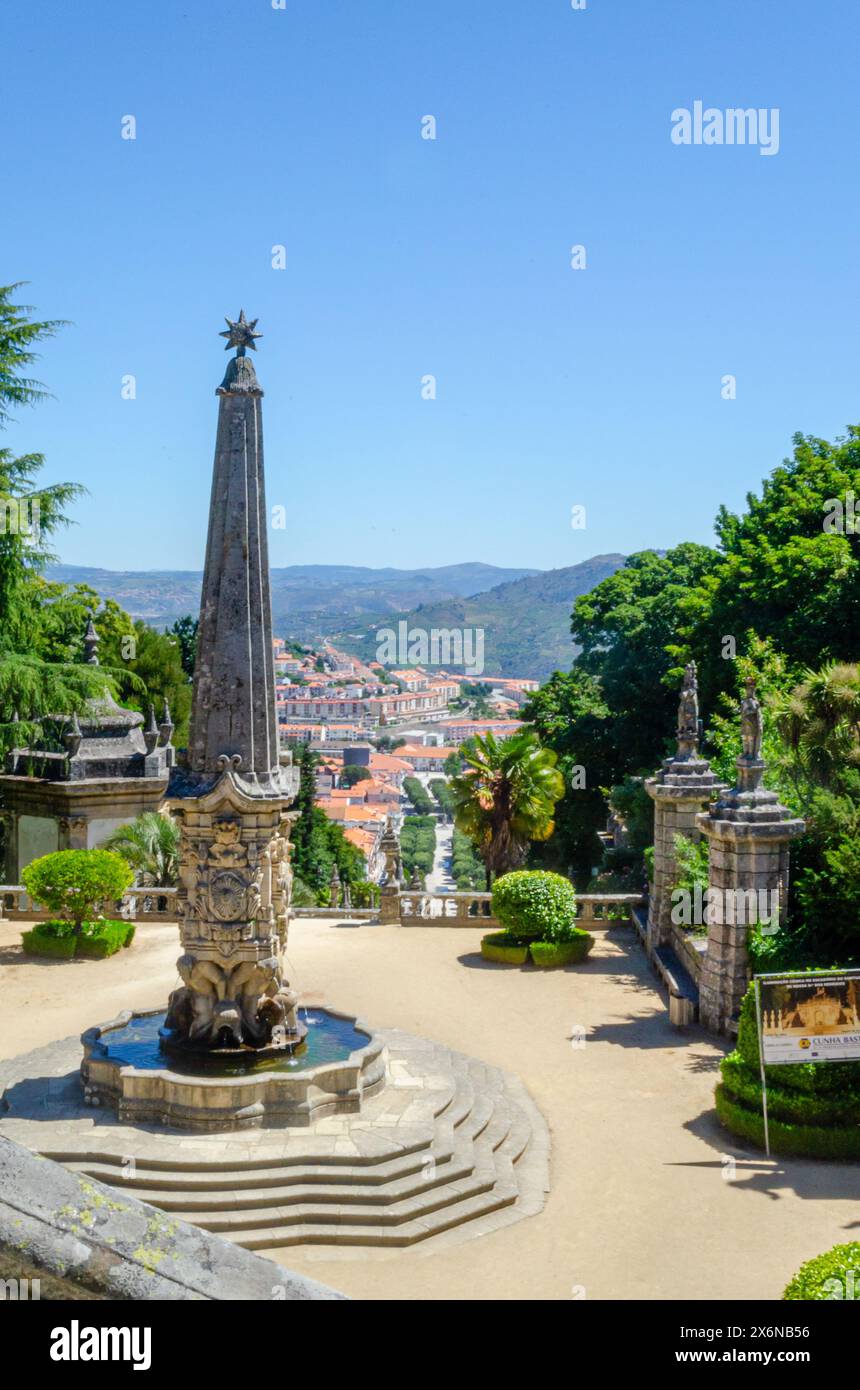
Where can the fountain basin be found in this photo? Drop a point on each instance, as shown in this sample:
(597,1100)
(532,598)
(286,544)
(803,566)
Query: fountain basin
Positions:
(335,1065)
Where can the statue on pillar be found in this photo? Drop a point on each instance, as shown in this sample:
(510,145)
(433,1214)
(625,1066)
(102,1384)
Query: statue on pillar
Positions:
(752,724)
(689,724)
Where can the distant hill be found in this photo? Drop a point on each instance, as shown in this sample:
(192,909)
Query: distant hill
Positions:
(308,601)
(526,621)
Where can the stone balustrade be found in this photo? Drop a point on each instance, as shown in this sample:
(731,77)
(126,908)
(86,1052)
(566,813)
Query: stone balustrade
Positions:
(136,905)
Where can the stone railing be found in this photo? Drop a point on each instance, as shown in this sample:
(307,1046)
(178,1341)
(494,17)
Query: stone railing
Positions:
(595,912)
(136,905)
(450,909)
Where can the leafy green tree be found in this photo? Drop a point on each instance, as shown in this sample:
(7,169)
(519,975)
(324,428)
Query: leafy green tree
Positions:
(150,846)
(353,773)
(75,882)
(418,795)
(788,569)
(185,632)
(505,798)
(571,717)
(157,662)
(627,627)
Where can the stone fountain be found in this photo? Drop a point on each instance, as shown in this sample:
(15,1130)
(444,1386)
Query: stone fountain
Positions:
(231,1049)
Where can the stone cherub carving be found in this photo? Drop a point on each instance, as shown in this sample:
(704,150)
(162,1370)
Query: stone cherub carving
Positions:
(752,724)
(227,850)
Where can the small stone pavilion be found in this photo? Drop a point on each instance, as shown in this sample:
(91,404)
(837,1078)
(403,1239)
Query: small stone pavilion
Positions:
(110,769)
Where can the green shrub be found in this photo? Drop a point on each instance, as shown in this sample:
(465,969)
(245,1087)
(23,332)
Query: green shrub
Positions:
(549,954)
(75,882)
(38,942)
(536,904)
(505,948)
(105,939)
(834,1275)
(95,941)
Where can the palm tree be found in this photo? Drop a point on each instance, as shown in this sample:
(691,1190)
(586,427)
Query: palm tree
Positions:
(505,797)
(819,721)
(150,845)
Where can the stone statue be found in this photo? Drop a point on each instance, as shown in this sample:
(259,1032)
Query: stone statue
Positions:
(689,724)
(752,724)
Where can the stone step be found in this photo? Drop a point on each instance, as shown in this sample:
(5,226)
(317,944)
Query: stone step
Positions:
(276,1173)
(225,1199)
(230,1223)
(408,1233)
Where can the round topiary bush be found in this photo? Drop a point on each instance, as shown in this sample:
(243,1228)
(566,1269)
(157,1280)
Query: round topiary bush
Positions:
(504,948)
(813,1107)
(535,904)
(830,1277)
(74,883)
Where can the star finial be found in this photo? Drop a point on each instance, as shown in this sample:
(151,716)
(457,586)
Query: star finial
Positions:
(240,335)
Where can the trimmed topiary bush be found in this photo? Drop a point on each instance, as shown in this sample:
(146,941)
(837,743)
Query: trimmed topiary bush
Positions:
(95,941)
(813,1107)
(536,904)
(505,948)
(75,882)
(549,954)
(829,1277)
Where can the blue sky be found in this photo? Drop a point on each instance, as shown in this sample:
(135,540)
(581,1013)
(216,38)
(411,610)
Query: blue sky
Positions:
(406,257)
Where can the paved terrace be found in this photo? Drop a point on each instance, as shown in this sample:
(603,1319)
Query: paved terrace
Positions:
(639,1205)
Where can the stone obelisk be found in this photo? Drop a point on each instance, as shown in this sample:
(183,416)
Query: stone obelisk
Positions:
(231,798)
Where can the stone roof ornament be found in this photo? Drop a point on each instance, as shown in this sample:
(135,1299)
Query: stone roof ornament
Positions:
(91,644)
(166,726)
(73,737)
(150,733)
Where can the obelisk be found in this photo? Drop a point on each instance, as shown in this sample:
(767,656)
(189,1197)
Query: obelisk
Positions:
(231,797)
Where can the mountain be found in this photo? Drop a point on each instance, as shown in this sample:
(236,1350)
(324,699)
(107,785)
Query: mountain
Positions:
(526,621)
(308,601)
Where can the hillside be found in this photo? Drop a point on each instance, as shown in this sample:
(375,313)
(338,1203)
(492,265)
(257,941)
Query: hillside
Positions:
(526,621)
(308,601)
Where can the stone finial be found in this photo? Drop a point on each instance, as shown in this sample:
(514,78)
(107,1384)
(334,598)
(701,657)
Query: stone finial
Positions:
(150,733)
(688,714)
(73,737)
(166,726)
(334,886)
(240,335)
(91,644)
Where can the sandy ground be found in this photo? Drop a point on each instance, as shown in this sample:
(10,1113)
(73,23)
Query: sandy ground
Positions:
(649,1198)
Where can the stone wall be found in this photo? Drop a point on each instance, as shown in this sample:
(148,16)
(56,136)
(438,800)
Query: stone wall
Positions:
(83,1240)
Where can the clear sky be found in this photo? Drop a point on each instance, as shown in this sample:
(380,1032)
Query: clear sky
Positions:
(301,126)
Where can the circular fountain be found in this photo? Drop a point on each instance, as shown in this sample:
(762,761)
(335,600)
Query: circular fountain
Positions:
(130,1065)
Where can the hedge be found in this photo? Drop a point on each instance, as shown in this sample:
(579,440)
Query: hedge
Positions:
(813,1281)
(97,940)
(548,954)
(505,948)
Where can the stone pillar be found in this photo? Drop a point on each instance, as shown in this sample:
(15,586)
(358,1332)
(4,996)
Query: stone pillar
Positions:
(681,790)
(389,893)
(749,833)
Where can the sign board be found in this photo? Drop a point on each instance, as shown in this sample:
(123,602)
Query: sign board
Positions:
(809,1018)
